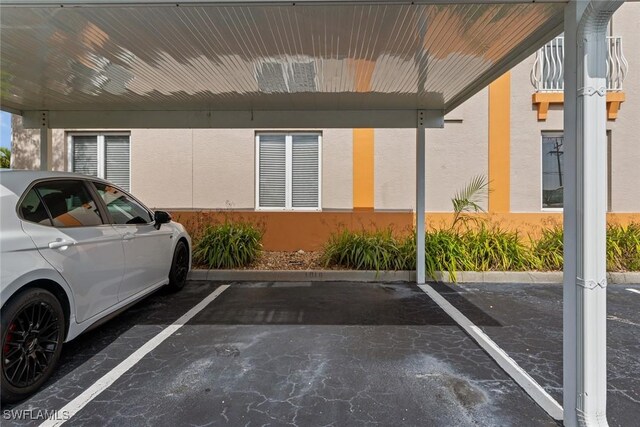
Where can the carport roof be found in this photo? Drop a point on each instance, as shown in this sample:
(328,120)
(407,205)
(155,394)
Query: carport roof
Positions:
(223,58)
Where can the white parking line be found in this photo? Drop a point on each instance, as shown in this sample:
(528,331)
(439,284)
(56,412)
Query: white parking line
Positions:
(633,290)
(519,375)
(73,407)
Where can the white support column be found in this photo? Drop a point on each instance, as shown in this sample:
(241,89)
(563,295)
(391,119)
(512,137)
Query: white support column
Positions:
(420,197)
(46,148)
(585,202)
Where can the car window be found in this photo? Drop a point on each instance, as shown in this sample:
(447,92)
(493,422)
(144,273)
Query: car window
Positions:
(32,209)
(69,203)
(122,208)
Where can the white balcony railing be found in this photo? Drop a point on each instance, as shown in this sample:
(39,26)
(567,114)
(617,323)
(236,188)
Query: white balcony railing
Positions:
(547,71)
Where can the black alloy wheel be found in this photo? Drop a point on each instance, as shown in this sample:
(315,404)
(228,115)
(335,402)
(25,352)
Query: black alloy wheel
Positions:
(32,336)
(179,267)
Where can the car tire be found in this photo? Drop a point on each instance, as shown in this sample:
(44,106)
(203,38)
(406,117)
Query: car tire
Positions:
(32,331)
(179,267)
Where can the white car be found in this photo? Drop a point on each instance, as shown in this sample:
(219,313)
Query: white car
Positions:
(74,250)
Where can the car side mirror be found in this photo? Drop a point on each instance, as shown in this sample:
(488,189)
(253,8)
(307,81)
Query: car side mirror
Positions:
(161,217)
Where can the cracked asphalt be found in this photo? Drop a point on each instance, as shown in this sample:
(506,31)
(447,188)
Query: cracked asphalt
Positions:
(343,354)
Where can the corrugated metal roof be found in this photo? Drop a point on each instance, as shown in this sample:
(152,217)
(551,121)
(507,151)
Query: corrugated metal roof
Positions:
(261,56)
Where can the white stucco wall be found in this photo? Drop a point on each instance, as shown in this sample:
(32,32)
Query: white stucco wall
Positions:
(454,155)
(625,135)
(161,167)
(526,141)
(526,130)
(25,148)
(224,168)
(337,169)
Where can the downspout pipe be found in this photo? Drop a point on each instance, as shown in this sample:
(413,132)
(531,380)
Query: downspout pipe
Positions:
(584,317)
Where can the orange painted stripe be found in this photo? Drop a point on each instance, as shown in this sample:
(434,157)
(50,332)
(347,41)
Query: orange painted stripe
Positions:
(363,169)
(363,155)
(499,144)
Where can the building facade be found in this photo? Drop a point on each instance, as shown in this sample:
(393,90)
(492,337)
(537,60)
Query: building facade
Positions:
(304,184)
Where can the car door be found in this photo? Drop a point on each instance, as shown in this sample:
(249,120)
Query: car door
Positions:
(68,226)
(147,250)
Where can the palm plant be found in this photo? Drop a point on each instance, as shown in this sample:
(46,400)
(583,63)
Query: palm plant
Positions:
(468,199)
(5,158)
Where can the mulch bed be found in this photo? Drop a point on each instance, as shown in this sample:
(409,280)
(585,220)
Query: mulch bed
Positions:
(300,260)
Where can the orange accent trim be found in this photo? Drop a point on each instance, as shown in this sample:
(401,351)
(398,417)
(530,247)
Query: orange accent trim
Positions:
(499,144)
(291,231)
(363,169)
(542,100)
(614,100)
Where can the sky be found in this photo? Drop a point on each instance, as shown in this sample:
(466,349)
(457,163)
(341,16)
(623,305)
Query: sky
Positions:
(5,129)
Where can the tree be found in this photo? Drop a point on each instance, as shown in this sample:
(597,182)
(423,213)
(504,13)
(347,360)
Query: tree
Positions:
(468,200)
(5,158)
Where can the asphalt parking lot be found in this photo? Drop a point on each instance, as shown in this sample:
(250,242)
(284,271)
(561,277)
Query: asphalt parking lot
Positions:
(333,354)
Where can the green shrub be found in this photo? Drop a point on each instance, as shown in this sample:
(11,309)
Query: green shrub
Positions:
(228,245)
(407,251)
(623,247)
(481,249)
(496,249)
(548,249)
(444,251)
(378,250)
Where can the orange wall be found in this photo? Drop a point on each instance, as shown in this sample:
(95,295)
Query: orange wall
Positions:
(500,144)
(363,169)
(291,231)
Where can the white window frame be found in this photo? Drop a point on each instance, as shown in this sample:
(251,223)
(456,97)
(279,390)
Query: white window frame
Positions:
(552,134)
(101,151)
(288,172)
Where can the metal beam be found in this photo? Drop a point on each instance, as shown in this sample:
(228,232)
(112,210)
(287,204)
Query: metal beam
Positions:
(300,119)
(46,143)
(585,202)
(179,3)
(420,197)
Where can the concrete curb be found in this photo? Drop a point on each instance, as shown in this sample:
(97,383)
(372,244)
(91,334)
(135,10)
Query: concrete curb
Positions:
(394,276)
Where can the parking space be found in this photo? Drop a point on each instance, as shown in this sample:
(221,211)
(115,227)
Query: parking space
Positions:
(92,355)
(332,354)
(529,328)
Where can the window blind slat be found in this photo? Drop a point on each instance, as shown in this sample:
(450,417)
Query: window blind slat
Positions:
(117,160)
(304,171)
(272,171)
(85,155)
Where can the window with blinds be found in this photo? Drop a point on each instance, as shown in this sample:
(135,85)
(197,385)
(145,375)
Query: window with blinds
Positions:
(85,155)
(288,171)
(102,155)
(116,158)
(272,171)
